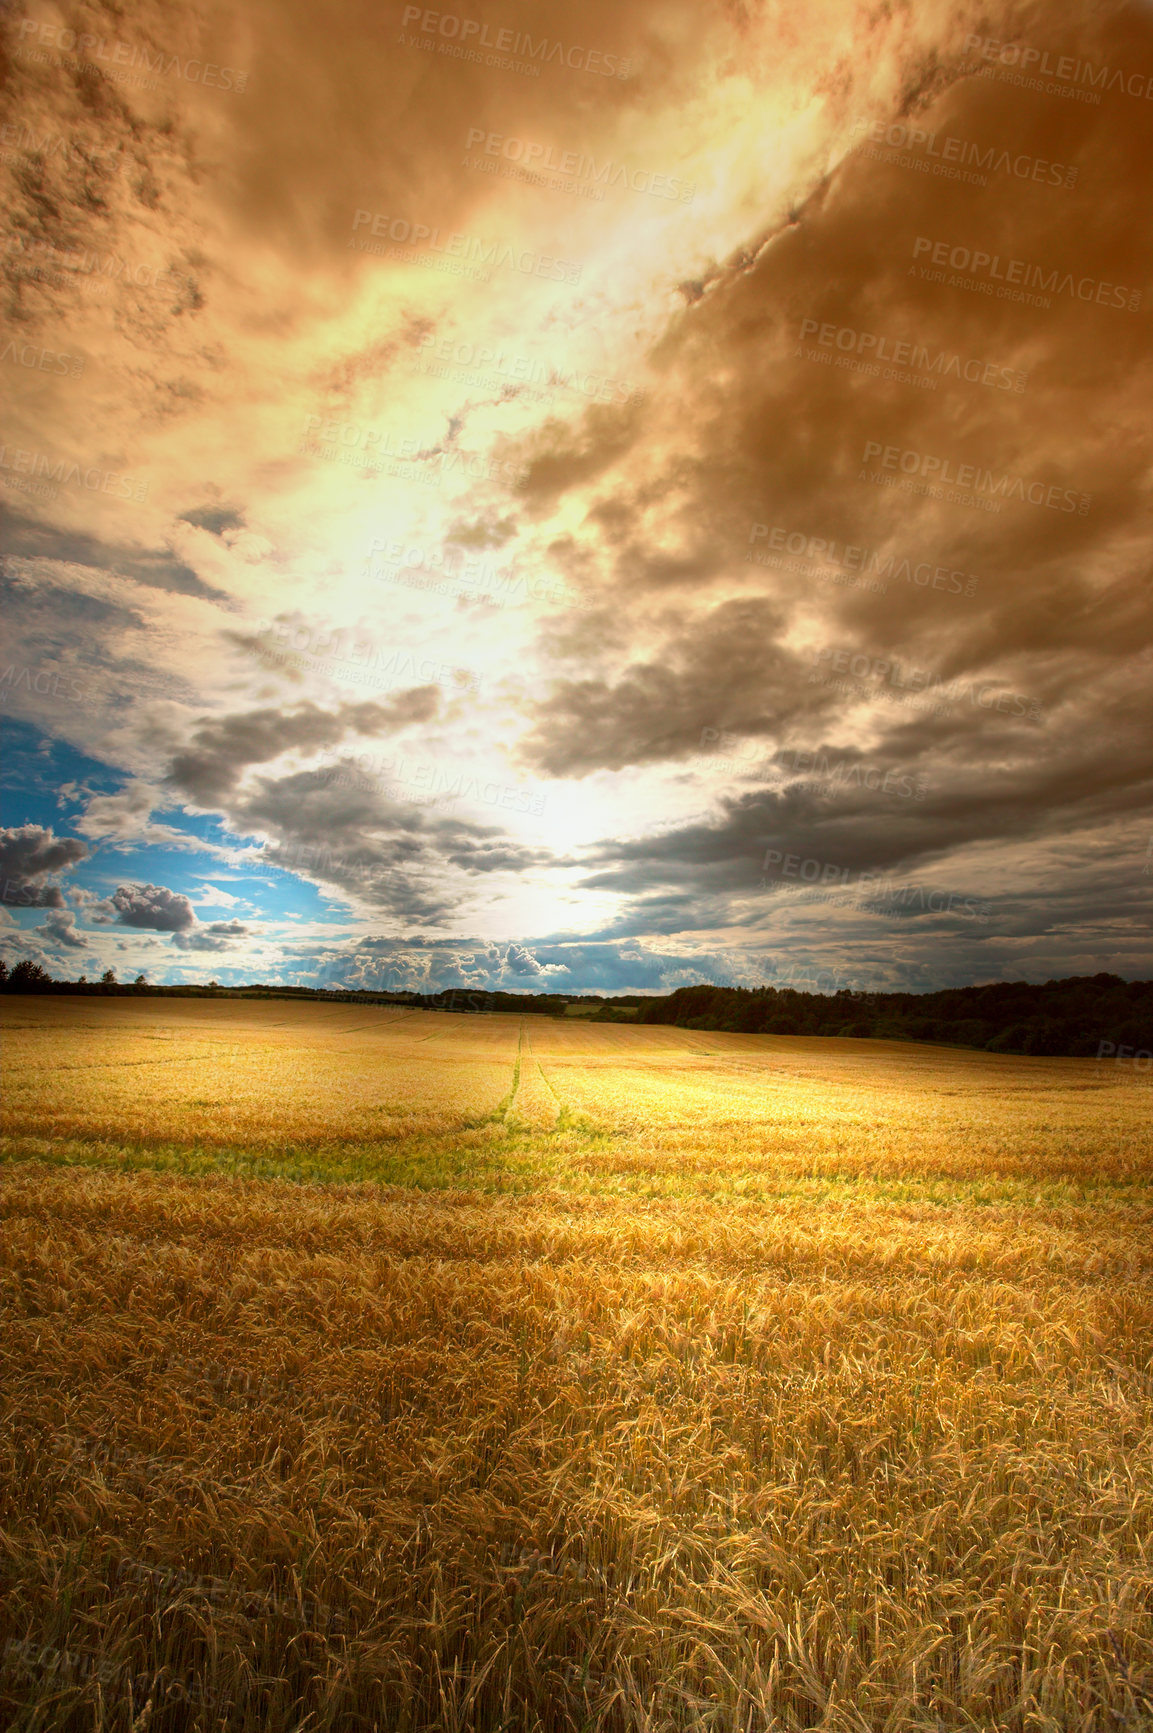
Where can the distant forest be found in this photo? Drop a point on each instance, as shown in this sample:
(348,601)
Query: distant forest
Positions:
(1084,1016)
(1080,1017)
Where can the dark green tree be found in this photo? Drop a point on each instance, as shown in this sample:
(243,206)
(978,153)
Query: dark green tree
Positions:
(28,977)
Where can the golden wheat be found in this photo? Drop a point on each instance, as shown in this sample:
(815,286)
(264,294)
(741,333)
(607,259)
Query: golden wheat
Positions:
(850,1429)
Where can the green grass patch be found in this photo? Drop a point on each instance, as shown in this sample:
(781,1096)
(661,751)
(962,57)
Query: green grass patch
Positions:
(578,1160)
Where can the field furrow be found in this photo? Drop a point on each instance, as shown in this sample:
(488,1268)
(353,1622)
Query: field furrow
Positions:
(534,1106)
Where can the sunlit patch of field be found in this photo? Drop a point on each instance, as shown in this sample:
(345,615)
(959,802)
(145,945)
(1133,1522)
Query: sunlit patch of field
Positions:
(431,1098)
(191,1081)
(709,1381)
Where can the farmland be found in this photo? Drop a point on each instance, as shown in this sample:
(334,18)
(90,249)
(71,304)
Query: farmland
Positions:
(383,1368)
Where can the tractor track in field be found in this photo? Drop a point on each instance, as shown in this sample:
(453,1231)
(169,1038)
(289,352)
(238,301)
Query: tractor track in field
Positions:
(533,1104)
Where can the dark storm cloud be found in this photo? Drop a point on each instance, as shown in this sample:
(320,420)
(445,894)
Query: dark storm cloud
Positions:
(727,669)
(49,609)
(221,751)
(108,205)
(1017,801)
(387,853)
(333,823)
(61,645)
(482,849)
(757,425)
(157,569)
(157,909)
(153,908)
(760,425)
(217,936)
(860,897)
(732,527)
(214,519)
(29,855)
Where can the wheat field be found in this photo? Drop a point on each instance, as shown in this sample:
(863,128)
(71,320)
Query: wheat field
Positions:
(377,1369)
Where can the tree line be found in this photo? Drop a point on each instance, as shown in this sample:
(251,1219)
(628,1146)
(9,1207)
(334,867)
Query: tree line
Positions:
(1083,1016)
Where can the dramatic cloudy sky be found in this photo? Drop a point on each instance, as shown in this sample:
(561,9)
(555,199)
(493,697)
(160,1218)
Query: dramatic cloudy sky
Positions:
(578,498)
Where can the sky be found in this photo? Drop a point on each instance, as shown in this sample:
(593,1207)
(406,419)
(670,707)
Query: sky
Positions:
(577,499)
